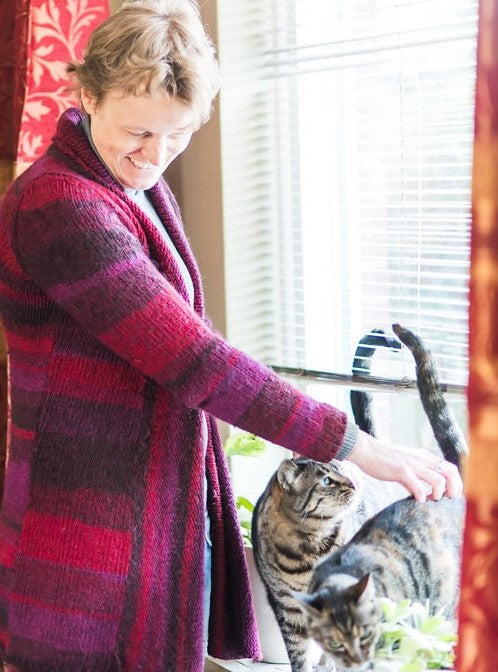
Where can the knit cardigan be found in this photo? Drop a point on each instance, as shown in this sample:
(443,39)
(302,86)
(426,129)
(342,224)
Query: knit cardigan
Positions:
(113,380)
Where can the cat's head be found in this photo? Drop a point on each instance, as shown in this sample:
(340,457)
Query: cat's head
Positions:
(344,618)
(314,489)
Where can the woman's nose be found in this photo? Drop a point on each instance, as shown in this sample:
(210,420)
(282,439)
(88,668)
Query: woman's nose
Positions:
(158,150)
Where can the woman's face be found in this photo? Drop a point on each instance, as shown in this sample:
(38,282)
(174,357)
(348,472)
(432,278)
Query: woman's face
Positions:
(138,136)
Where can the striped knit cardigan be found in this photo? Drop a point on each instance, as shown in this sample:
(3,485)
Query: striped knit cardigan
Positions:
(111,376)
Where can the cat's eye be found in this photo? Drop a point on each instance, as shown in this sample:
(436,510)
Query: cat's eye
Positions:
(335,646)
(365,637)
(326,480)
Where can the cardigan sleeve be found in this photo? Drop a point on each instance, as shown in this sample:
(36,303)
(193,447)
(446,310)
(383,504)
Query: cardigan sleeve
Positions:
(80,254)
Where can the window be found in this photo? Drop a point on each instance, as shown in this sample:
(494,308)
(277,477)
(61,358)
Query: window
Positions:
(347,132)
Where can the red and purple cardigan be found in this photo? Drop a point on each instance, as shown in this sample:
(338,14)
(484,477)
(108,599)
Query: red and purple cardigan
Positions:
(111,372)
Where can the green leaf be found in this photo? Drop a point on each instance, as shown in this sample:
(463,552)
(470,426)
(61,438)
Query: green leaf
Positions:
(243,443)
(412,667)
(412,640)
(244,503)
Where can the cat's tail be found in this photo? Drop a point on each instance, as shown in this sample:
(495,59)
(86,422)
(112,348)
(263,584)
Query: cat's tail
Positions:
(361,402)
(446,429)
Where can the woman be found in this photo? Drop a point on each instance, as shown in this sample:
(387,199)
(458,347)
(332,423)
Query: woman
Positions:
(116,379)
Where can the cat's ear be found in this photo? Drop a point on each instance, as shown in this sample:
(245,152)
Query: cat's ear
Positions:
(363,590)
(286,473)
(310,603)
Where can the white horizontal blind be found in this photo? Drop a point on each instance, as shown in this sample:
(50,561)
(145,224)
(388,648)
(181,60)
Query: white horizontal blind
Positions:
(347,134)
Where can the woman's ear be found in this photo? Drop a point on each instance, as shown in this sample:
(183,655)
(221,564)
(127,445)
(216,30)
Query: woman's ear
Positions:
(88,101)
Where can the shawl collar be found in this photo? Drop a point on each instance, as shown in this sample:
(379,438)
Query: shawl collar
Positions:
(70,140)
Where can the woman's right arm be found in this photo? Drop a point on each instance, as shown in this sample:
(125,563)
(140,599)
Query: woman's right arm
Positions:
(77,250)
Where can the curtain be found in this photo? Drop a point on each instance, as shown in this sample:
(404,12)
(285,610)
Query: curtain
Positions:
(478,636)
(38,38)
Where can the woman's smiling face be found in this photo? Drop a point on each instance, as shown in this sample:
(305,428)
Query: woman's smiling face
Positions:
(138,136)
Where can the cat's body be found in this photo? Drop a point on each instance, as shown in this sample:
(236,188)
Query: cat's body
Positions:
(289,541)
(410,550)
(297,521)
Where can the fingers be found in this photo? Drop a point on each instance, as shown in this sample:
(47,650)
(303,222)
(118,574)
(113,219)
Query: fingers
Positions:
(453,480)
(432,481)
(413,484)
(436,482)
(417,470)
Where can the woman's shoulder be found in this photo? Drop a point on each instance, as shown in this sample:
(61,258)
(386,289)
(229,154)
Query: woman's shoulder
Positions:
(52,175)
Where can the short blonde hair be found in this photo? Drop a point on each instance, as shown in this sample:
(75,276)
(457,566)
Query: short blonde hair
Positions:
(148,44)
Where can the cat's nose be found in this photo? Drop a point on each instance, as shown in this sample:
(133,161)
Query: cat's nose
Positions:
(357,658)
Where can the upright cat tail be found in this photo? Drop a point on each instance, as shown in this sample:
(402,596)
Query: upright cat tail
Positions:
(361,402)
(446,429)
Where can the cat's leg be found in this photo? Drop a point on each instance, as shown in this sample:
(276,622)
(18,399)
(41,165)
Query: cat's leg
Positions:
(297,645)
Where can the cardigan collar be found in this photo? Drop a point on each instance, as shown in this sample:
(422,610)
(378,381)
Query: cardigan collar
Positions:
(71,140)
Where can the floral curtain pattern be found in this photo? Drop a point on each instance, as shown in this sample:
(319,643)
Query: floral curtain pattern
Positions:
(478,636)
(59,32)
(42,35)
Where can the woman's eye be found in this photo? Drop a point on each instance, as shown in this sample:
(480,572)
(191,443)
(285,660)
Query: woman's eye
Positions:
(326,480)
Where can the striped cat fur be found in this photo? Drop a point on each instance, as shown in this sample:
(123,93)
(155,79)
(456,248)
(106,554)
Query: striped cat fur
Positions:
(310,510)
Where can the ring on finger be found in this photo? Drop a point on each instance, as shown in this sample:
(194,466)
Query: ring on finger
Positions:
(438,466)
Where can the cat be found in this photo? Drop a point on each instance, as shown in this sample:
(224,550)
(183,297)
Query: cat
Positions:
(408,550)
(307,510)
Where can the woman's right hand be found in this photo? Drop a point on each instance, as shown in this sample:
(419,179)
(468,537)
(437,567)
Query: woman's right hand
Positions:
(419,471)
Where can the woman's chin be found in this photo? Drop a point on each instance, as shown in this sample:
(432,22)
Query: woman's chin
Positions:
(141,183)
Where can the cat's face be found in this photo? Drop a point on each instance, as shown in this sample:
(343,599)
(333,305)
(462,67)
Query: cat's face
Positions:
(314,489)
(345,621)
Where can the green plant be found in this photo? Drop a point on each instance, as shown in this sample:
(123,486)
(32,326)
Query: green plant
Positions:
(245,509)
(412,639)
(245,445)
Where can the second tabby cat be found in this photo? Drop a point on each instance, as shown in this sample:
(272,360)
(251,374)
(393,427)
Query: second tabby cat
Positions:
(409,550)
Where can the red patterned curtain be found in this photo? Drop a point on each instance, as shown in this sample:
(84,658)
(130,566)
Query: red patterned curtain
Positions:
(478,637)
(38,38)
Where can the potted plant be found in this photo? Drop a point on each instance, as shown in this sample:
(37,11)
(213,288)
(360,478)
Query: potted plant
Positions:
(243,444)
(413,640)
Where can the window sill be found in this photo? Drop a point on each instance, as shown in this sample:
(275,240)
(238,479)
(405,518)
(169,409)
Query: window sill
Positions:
(216,665)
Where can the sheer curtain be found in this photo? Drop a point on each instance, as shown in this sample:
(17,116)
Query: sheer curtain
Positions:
(347,136)
(478,637)
(347,132)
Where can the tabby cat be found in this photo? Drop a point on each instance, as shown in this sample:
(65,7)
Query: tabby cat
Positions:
(408,550)
(307,510)
(296,524)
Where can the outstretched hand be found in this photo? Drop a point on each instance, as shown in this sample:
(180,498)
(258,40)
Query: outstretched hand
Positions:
(419,471)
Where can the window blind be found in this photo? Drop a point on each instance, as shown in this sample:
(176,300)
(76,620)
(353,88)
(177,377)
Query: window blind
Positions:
(347,133)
